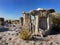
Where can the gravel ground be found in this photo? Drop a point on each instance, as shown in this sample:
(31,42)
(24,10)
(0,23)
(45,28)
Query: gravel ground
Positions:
(10,37)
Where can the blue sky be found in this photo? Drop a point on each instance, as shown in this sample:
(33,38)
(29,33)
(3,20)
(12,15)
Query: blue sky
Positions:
(12,9)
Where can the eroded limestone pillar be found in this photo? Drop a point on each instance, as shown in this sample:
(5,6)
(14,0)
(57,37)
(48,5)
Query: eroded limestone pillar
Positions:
(48,23)
(36,24)
(26,20)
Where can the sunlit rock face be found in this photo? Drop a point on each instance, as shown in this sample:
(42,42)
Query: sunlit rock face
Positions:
(26,20)
(41,19)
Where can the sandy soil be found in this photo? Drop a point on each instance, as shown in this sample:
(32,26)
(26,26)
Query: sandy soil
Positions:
(9,36)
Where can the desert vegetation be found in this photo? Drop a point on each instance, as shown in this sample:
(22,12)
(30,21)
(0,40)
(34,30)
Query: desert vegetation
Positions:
(55,18)
(25,34)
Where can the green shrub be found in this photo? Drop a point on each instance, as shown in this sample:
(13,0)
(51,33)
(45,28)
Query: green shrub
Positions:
(25,35)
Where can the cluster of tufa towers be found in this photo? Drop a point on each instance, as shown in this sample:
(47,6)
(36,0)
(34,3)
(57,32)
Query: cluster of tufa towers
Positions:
(41,20)
(35,20)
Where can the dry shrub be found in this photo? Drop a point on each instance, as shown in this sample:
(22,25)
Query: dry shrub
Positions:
(25,35)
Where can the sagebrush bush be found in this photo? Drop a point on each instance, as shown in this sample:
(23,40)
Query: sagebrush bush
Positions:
(25,34)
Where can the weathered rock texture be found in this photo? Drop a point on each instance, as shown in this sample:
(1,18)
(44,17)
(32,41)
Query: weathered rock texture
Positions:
(11,37)
(9,34)
(41,20)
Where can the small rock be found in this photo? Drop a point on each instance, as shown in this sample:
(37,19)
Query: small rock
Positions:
(0,38)
(51,43)
(10,38)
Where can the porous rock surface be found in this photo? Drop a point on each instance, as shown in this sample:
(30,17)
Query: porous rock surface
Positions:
(11,37)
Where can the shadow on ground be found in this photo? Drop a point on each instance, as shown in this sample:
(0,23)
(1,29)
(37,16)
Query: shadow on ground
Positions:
(3,29)
(55,31)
